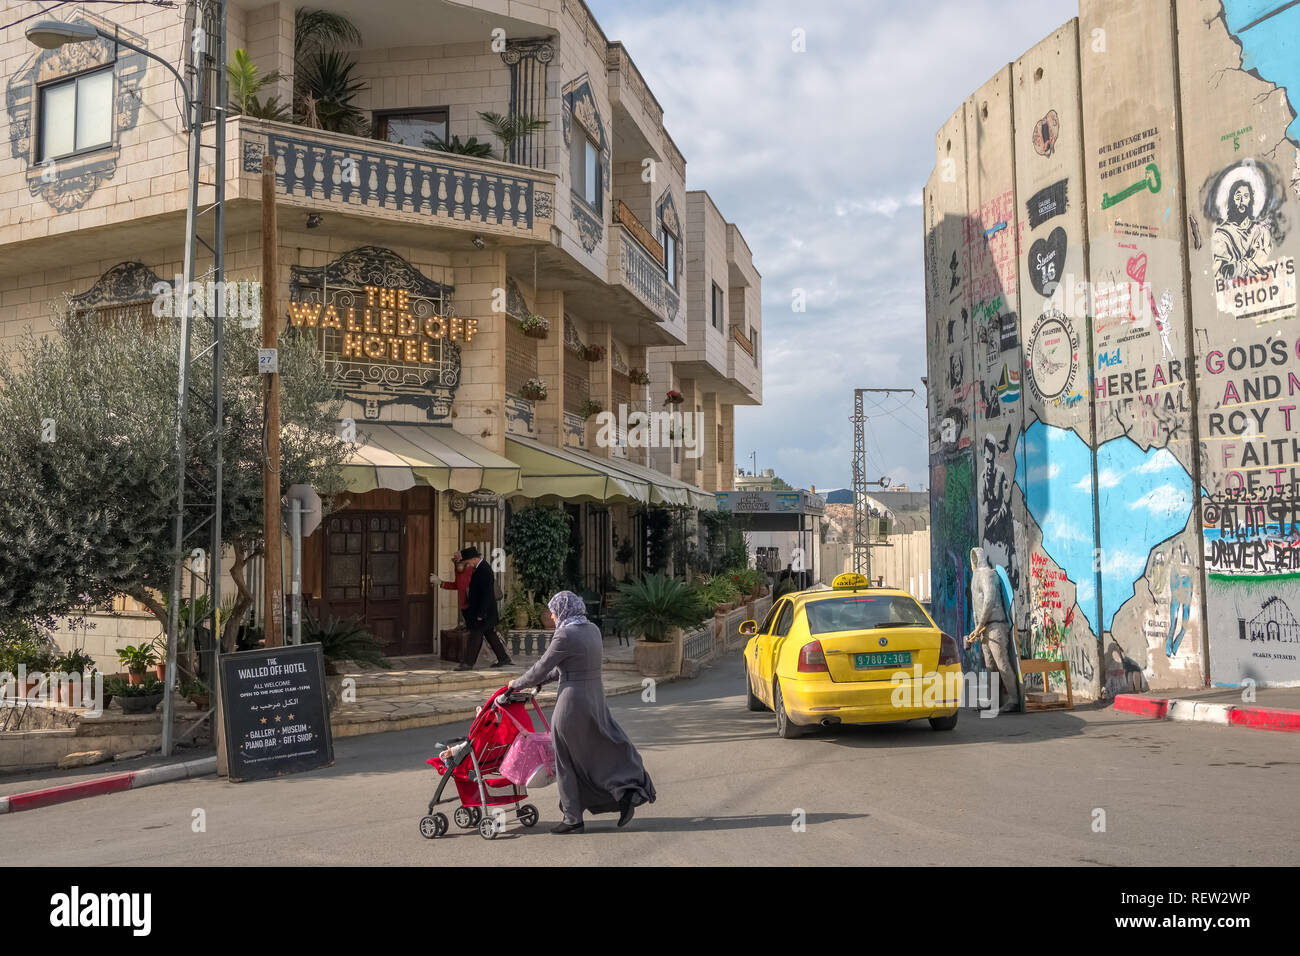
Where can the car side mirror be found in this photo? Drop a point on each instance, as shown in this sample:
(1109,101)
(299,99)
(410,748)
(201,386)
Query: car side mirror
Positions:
(749,627)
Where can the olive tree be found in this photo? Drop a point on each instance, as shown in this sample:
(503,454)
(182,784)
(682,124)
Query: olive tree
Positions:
(87,458)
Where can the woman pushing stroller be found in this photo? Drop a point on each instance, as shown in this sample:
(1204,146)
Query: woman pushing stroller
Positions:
(597,769)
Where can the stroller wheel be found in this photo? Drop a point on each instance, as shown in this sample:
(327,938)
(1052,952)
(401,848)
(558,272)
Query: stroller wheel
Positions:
(434,826)
(476,816)
(528,815)
(464,817)
(487,828)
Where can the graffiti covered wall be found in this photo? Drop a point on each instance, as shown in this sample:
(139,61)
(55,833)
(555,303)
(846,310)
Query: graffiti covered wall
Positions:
(1113,345)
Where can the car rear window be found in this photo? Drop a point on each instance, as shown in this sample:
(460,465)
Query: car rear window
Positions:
(862,612)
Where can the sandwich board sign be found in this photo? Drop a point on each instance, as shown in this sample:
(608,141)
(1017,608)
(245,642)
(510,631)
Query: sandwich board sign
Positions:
(275,712)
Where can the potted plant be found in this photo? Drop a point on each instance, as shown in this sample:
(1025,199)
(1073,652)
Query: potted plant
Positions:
(343,639)
(198,692)
(638,376)
(534,390)
(72,662)
(590,408)
(718,592)
(24,643)
(535,326)
(593,353)
(519,608)
(673,397)
(137,660)
(657,607)
(135,698)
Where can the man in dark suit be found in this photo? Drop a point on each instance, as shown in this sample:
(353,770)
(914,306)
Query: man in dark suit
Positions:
(481,613)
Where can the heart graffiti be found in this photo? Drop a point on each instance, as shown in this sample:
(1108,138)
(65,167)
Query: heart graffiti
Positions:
(1046,261)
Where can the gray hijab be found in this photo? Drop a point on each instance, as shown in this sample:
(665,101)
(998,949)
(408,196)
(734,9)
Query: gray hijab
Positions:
(568,609)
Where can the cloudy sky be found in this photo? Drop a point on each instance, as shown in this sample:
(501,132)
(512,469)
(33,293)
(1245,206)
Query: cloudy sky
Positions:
(820,158)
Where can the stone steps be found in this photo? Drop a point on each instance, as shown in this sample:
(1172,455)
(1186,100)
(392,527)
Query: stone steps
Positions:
(374,714)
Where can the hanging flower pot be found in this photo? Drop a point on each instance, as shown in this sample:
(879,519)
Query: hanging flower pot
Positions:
(593,353)
(534,390)
(590,408)
(535,326)
(638,376)
(673,397)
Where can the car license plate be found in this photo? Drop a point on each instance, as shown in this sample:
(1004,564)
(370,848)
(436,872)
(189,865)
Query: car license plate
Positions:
(883,659)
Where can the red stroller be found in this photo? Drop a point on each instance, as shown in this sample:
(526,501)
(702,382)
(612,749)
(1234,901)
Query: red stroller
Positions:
(474,762)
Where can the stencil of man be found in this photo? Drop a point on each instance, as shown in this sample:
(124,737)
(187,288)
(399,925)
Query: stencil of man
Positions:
(1241,244)
(992,617)
(995,506)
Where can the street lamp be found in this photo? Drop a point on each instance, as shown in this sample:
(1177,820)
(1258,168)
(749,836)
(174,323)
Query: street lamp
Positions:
(50,35)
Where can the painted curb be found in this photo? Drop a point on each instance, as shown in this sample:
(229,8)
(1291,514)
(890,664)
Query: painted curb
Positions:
(1256,718)
(130,780)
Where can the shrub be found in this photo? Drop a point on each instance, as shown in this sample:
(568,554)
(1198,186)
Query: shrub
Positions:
(656,604)
(343,639)
(717,589)
(537,541)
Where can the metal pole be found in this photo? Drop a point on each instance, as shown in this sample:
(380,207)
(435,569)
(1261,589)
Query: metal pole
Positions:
(273,594)
(194,128)
(296,528)
(218,351)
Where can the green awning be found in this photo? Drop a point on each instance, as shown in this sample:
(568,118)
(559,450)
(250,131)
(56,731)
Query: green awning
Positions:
(575,474)
(571,473)
(398,457)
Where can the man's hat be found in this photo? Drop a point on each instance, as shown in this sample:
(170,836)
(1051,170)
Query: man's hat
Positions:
(469,552)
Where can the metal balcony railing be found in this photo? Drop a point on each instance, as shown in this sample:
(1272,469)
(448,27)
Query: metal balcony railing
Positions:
(625,216)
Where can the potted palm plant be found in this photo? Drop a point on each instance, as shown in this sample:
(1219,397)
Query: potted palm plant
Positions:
(137,660)
(657,607)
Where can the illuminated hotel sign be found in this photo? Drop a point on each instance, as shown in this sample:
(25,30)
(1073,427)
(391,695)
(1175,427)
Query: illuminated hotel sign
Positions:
(386,328)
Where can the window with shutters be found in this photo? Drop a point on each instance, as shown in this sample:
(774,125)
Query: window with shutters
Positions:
(577,384)
(521,357)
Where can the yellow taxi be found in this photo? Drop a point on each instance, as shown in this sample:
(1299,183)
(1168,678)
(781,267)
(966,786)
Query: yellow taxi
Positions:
(851,654)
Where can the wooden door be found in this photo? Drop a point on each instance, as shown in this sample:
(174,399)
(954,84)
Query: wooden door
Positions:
(385,615)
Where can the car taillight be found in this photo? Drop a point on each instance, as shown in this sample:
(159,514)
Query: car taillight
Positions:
(949,652)
(812,659)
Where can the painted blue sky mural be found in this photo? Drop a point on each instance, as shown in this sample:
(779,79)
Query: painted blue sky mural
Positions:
(1144,497)
(1269,33)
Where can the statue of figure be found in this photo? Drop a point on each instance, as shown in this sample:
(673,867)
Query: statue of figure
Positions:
(992,614)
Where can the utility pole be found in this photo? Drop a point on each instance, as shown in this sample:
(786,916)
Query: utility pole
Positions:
(861,533)
(273,584)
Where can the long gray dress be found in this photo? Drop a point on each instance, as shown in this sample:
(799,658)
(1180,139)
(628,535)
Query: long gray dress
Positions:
(595,763)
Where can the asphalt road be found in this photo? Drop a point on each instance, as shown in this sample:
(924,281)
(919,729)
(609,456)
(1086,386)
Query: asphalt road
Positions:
(1009,790)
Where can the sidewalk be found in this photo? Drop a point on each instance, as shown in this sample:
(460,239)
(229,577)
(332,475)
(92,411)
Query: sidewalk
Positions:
(1273,708)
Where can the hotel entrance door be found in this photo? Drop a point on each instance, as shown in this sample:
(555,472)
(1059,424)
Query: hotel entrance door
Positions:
(363,574)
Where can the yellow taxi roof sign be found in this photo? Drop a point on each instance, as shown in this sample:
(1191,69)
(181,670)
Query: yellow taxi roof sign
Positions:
(850,580)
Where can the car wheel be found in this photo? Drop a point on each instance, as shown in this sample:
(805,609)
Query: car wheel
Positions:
(751,701)
(943,723)
(784,728)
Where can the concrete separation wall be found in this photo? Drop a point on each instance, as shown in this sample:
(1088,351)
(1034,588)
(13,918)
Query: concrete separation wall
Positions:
(1114,357)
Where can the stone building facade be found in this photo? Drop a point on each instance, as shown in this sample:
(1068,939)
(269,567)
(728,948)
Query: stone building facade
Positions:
(587,223)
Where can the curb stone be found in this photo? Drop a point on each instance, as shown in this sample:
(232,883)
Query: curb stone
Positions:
(1256,718)
(129,780)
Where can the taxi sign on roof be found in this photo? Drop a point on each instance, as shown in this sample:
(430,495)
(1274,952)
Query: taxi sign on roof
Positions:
(850,580)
